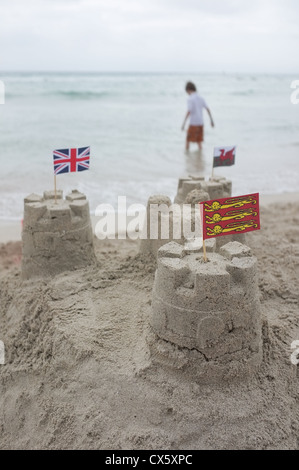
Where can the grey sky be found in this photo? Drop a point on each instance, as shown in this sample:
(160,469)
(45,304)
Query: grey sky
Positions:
(150,35)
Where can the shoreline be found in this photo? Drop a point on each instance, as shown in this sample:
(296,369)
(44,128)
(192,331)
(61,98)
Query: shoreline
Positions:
(11,231)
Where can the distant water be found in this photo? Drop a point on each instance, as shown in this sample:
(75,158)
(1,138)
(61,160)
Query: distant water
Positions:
(132,122)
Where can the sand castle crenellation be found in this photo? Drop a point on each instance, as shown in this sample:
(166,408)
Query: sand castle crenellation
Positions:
(210,312)
(57,234)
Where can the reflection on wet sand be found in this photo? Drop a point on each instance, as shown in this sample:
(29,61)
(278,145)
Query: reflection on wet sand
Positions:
(195,161)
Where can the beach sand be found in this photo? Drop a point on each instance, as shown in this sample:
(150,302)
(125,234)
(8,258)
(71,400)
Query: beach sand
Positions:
(79,375)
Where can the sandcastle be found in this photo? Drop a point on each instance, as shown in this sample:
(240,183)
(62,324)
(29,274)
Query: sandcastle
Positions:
(191,190)
(57,235)
(151,239)
(206,316)
(216,186)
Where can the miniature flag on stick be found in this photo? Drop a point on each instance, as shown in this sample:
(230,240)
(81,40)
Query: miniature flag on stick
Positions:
(223,156)
(228,216)
(70,160)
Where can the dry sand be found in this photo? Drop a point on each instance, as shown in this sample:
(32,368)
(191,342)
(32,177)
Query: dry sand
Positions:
(78,372)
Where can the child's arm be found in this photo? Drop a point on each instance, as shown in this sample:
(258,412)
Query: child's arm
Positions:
(187,115)
(210,115)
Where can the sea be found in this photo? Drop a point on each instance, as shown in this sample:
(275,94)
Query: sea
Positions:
(132,123)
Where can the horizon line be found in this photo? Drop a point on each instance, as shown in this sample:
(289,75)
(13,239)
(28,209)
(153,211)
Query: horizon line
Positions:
(170,72)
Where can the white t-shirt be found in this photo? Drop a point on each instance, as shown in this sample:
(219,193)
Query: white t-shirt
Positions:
(195,105)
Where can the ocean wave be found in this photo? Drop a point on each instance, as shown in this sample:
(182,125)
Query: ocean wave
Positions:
(71,94)
(243,93)
(87,94)
(80,94)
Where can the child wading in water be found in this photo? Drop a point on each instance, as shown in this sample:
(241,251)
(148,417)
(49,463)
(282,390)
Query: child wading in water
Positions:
(195,105)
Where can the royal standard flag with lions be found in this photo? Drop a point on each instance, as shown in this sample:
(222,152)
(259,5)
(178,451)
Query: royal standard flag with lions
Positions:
(230,215)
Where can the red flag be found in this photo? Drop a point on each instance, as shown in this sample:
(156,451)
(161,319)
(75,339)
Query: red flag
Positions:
(224,156)
(227,216)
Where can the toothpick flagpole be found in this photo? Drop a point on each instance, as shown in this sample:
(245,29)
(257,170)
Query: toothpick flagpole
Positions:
(203,240)
(204,251)
(55,188)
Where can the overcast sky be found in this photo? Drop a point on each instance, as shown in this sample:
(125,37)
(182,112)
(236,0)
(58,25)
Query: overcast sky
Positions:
(150,35)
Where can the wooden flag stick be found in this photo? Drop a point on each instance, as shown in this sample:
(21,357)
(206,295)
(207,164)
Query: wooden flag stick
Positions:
(204,251)
(213,169)
(203,240)
(55,188)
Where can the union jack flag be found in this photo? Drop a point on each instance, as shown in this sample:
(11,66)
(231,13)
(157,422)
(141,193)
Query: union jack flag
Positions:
(69,160)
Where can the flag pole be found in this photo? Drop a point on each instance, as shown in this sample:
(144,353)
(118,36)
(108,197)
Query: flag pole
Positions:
(204,251)
(55,188)
(203,240)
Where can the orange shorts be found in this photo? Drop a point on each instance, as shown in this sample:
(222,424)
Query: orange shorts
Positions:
(195,134)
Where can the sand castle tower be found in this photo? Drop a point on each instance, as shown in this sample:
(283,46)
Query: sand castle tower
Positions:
(206,316)
(157,216)
(57,236)
(217,186)
(191,190)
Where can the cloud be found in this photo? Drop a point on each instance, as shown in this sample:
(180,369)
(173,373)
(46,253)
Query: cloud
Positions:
(148,35)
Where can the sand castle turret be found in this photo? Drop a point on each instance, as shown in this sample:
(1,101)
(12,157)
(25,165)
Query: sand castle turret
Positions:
(57,236)
(216,186)
(191,190)
(207,314)
(157,216)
